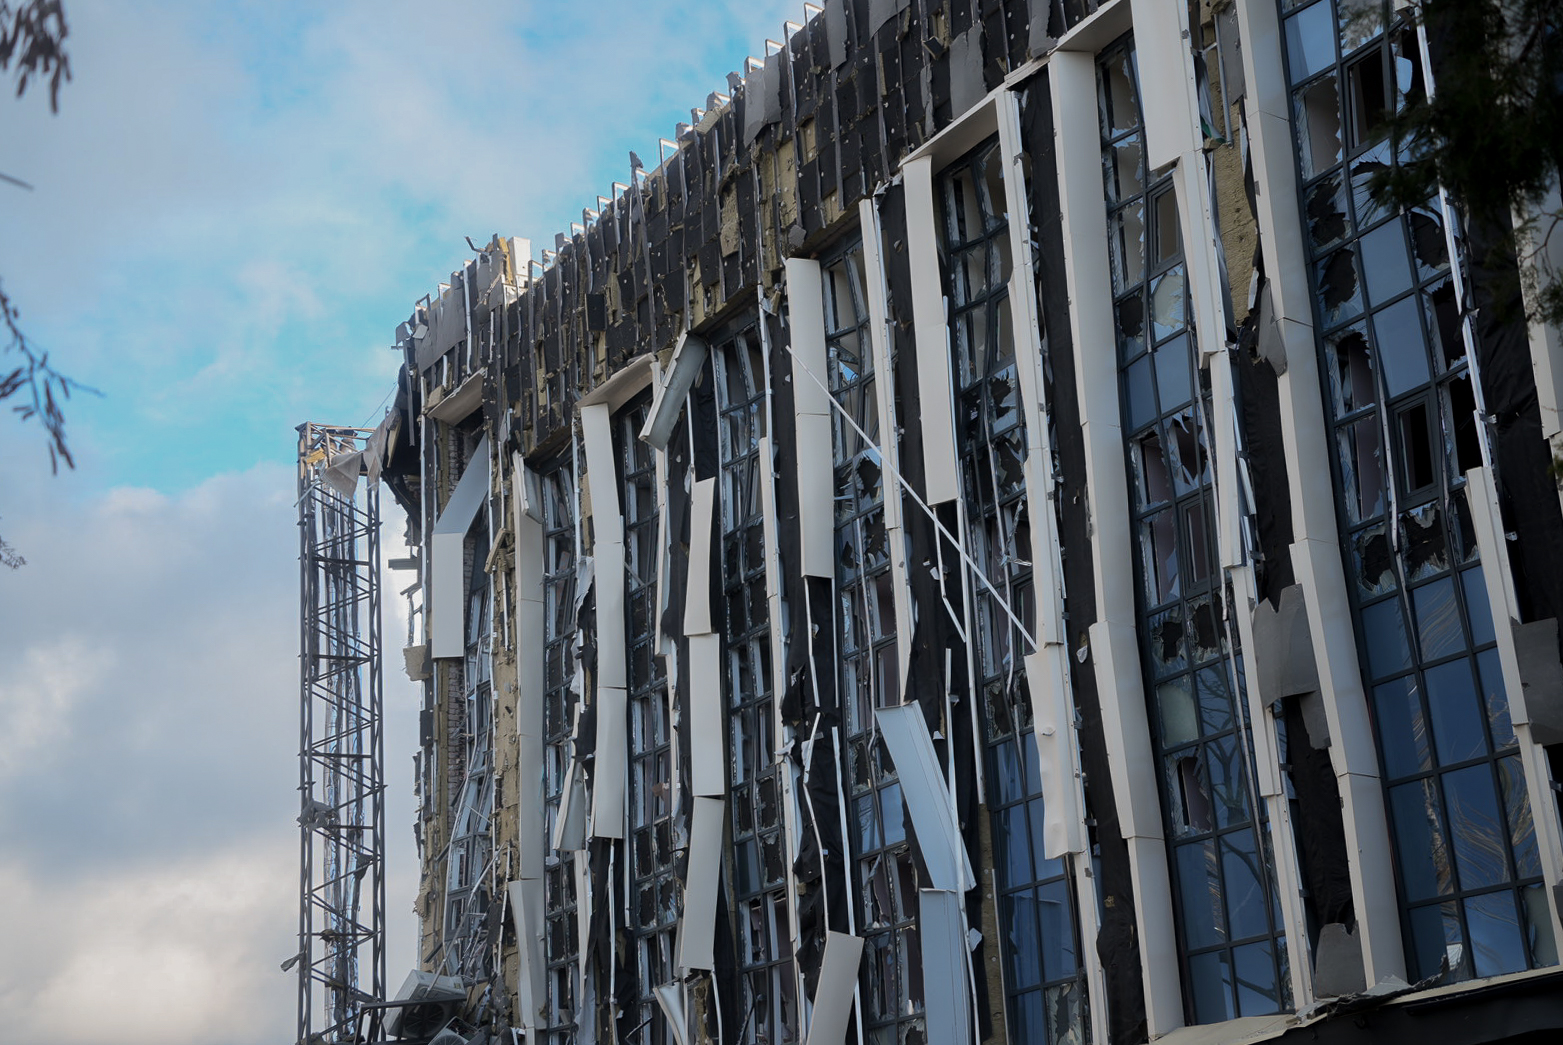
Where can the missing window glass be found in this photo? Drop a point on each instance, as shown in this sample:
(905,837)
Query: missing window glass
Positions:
(1416,448)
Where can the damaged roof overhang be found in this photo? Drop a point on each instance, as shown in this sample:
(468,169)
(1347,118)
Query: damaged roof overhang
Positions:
(1525,1007)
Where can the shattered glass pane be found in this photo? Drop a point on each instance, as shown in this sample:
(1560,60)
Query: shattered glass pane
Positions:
(1462,534)
(963,210)
(1166,641)
(1422,547)
(1131,327)
(867,824)
(1009,455)
(1318,126)
(1328,220)
(1127,241)
(1363,170)
(1362,468)
(971,275)
(1497,945)
(1416,448)
(1159,544)
(1190,459)
(1154,482)
(1425,870)
(1340,294)
(1460,412)
(1192,786)
(1368,99)
(1436,939)
(1119,103)
(1408,67)
(1004,396)
(999,262)
(1122,162)
(1197,530)
(1428,244)
(1351,370)
(995,203)
(1065,1018)
(1164,222)
(1438,624)
(1168,303)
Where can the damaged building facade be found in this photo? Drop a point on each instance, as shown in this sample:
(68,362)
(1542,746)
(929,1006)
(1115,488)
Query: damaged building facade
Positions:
(998,537)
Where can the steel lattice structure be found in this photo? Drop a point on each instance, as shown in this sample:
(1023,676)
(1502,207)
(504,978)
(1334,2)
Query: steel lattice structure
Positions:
(341,962)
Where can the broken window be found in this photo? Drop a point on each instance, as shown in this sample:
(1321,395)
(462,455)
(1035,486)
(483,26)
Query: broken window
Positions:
(1039,939)
(758,864)
(1229,926)
(1406,428)
(886,875)
(561,695)
(655,893)
(470,765)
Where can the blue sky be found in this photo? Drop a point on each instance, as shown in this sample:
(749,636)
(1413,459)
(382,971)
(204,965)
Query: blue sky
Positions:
(238,202)
(234,207)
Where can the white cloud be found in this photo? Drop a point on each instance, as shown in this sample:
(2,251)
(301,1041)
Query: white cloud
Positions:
(38,695)
(148,761)
(179,953)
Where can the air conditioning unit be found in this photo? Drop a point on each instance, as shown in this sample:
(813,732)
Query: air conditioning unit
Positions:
(454,1033)
(436,998)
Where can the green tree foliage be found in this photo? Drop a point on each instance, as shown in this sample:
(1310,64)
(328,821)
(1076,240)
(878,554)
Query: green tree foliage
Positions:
(1491,130)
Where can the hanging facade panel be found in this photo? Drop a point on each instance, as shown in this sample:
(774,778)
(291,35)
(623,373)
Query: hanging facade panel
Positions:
(897,667)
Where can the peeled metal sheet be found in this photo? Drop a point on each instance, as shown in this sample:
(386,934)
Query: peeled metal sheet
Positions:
(927,798)
(702,884)
(602,481)
(811,409)
(946,994)
(837,983)
(936,414)
(707,767)
(608,775)
(526,912)
(1063,827)
(446,606)
(1166,72)
(697,592)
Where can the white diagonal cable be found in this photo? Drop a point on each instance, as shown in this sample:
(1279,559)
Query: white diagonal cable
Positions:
(900,479)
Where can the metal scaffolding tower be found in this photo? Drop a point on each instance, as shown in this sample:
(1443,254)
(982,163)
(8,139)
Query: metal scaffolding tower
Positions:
(341,962)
